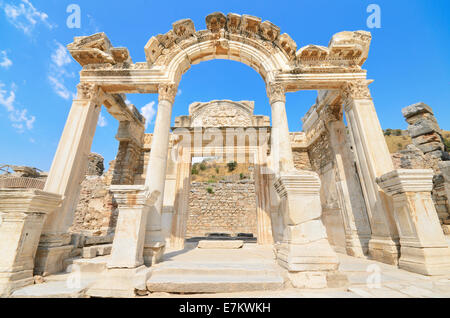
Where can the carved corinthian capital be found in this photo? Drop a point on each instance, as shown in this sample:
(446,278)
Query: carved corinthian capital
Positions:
(86,91)
(276,93)
(332,113)
(357,89)
(167,92)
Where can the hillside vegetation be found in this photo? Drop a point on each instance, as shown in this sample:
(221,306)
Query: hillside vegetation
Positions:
(396,141)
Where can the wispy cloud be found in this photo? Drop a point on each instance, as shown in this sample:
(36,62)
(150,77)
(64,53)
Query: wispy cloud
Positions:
(5,62)
(18,117)
(148,111)
(24,16)
(102,122)
(60,59)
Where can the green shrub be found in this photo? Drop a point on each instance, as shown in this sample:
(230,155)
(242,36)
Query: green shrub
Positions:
(210,190)
(447,143)
(232,166)
(242,176)
(194,171)
(217,170)
(397,132)
(203,166)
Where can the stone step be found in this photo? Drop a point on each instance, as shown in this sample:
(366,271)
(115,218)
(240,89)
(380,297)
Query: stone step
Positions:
(212,269)
(213,284)
(186,277)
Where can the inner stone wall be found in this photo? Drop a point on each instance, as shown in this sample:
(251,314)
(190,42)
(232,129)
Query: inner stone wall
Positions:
(229,208)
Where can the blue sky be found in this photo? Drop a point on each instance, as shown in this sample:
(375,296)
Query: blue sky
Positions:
(409,61)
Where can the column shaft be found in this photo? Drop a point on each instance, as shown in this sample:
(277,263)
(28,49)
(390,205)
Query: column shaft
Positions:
(156,174)
(373,160)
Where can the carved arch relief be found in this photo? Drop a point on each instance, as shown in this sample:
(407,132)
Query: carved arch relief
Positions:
(245,38)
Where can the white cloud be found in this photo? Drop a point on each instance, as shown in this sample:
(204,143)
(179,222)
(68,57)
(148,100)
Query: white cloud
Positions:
(58,73)
(102,122)
(24,16)
(18,117)
(148,111)
(5,62)
(61,56)
(179,92)
(59,87)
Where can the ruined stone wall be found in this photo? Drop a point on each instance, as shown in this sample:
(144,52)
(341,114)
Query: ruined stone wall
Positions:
(427,151)
(320,153)
(96,212)
(230,208)
(301,159)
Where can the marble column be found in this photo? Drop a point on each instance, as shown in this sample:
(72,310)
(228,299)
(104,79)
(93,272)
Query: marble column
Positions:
(373,160)
(281,150)
(354,214)
(304,250)
(156,174)
(65,177)
(424,249)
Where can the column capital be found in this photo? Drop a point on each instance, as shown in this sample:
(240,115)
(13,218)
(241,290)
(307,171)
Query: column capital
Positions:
(331,113)
(276,92)
(357,89)
(167,91)
(86,90)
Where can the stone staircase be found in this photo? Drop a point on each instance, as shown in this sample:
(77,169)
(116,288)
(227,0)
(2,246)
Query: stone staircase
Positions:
(214,278)
(216,271)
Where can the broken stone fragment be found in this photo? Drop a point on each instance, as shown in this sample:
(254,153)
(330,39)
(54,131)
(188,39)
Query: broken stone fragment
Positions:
(415,109)
(423,127)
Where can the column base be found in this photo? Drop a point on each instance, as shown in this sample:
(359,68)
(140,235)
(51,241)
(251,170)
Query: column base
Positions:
(312,257)
(357,246)
(9,282)
(154,254)
(426,261)
(121,283)
(384,250)
(50,259)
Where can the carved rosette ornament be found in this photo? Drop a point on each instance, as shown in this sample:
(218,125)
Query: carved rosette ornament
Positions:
(86,91)
(357,89)
(167,92)
(276,93)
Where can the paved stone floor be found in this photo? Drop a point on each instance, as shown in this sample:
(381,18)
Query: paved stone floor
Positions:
(367,278)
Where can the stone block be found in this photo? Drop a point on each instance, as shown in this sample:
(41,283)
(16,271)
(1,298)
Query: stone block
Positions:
(310,280)
(419,108)
(430,147)
(22,217)
(423,127)
(215,244)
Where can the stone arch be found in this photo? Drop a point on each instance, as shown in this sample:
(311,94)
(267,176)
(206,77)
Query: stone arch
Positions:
(240,38)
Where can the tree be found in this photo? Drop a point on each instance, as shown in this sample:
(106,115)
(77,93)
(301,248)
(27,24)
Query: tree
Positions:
(232,166)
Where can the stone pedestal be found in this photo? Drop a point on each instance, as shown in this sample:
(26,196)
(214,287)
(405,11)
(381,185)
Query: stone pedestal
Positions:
(304,251)
(22,216)
(424,249)
(121,283)
(128,244)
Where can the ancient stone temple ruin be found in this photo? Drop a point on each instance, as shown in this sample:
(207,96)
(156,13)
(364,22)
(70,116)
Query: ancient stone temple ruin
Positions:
(330,188)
